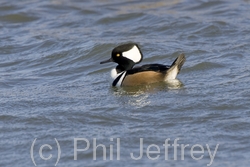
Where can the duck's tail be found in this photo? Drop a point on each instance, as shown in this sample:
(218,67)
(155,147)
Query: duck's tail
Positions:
(175,67)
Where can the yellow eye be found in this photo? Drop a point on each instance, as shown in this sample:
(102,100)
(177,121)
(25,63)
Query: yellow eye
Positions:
(117,55)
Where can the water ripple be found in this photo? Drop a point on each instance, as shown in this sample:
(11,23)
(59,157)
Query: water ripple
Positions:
(52,85)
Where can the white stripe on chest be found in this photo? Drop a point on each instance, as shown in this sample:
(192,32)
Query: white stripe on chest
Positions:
(114,75)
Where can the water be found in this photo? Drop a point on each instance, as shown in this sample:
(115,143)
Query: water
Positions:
(53,89)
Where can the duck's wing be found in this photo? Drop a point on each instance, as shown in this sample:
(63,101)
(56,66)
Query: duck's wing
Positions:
(149,67)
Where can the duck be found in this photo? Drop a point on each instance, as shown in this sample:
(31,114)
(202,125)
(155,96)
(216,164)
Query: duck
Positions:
(125,74)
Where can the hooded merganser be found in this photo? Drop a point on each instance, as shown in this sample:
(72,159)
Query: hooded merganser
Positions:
(127,55)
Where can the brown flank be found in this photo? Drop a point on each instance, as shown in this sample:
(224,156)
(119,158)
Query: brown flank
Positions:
(141,78)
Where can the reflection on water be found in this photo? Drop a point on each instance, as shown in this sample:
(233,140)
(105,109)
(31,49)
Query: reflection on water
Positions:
(139,100)
(137,96)
(174,84)
(149,88)
(133,96)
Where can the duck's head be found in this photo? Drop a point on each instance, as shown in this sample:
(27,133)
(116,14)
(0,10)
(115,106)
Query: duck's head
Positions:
(126,56)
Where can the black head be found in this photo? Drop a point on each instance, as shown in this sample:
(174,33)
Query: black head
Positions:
(126,56)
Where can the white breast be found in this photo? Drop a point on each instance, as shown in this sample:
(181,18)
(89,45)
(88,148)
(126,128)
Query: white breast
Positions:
(114,75)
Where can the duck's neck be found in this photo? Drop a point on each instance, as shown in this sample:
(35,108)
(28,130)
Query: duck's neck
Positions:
(120,68)
(125,66)
(115,72)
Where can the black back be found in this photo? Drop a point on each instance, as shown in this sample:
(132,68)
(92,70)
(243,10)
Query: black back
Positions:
(149,67)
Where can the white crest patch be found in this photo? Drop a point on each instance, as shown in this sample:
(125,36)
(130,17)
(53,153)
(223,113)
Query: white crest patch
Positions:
(133,54)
